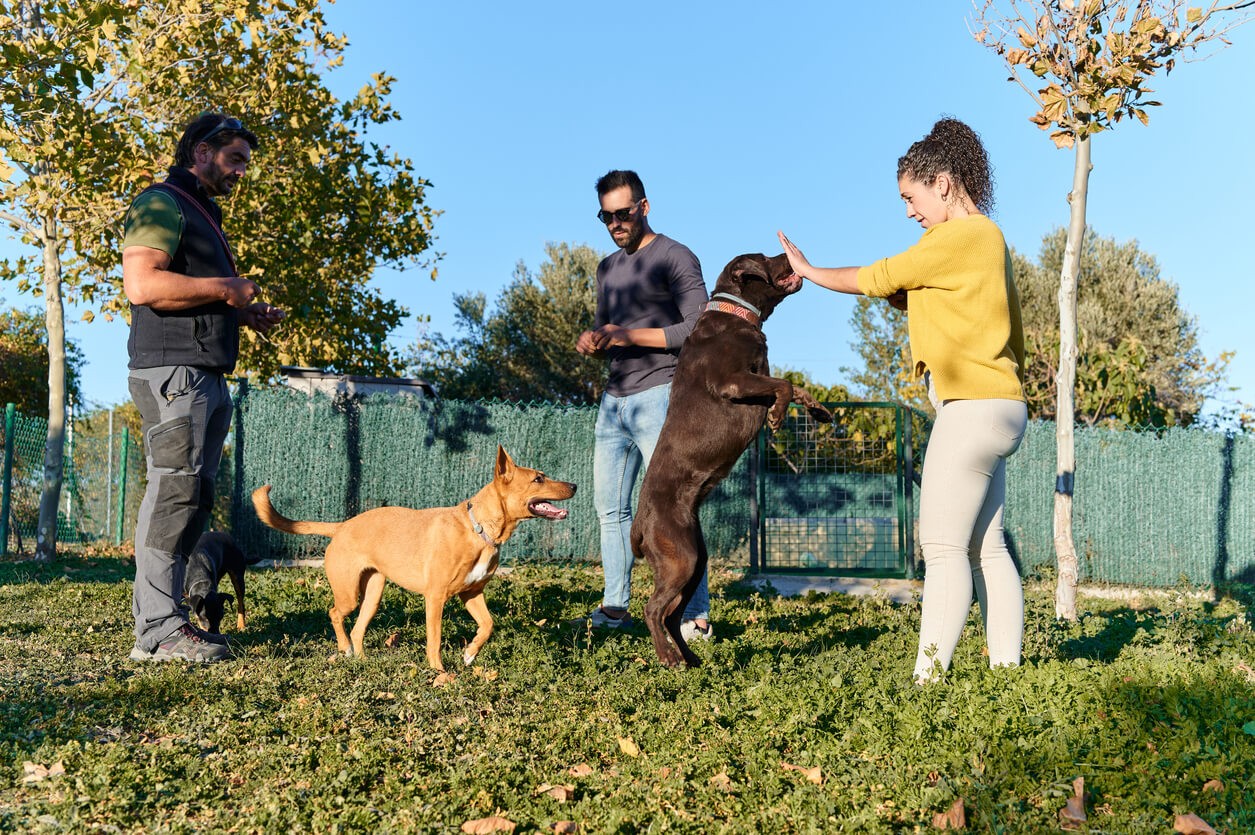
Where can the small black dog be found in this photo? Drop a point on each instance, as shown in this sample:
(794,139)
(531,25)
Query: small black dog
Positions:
(215,554)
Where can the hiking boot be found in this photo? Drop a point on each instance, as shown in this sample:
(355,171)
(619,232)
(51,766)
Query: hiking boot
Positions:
(600,617)
(690,631)
(184,644)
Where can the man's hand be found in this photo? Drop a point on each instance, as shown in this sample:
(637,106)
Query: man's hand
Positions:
(240,292)
(260,316)
(593,343)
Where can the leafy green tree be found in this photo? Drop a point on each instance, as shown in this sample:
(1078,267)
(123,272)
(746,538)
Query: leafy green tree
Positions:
(881,341)
(24,358)
(1139,362)
(524,349)
(93,98)
(1094,58)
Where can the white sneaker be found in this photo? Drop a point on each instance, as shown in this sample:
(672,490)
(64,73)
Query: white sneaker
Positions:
(690,631)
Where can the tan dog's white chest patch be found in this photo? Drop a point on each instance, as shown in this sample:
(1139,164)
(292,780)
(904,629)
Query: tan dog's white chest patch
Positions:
(481,569)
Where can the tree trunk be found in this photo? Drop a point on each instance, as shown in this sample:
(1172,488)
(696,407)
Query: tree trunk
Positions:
(1065,387)
(54,449)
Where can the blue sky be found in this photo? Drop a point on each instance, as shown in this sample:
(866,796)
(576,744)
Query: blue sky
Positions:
(746,117)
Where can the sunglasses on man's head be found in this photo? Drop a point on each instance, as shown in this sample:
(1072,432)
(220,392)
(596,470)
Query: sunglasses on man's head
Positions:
(621,215)
(228,123)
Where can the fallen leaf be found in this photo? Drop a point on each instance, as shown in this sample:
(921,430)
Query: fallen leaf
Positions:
(953,818)
(540,622)
(815,775)
(486,675)
(1213,785)
(581,770)
(484,826)
(627,746)
(664,772)
(1073,813)
(442,679)
(385,696)
(722,781)
(35,773)
(1191,825)
(565,827)
(559,793)
(392,640)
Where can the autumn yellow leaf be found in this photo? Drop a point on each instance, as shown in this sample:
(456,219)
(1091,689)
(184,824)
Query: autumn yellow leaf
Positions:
(581,770)
(721,781)
(628,746)
(1213,785)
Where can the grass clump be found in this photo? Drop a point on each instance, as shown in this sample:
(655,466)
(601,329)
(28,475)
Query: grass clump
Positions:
(802,719)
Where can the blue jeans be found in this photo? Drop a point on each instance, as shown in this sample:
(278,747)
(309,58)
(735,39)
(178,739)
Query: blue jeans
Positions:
(625,436)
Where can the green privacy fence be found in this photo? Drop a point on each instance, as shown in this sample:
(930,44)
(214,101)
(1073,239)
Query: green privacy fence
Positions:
(101,482)
(329,459)
(1151,508)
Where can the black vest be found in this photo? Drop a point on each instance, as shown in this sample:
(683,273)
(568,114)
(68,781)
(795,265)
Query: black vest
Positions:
(208,336)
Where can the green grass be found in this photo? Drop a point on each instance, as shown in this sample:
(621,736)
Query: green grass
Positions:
(1147,700)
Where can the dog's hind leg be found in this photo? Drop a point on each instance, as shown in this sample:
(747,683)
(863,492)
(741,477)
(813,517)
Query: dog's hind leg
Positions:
(372,592)
(478,607)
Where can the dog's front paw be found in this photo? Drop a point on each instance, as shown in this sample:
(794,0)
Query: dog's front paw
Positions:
(775,415)
(468,659)
(820,414)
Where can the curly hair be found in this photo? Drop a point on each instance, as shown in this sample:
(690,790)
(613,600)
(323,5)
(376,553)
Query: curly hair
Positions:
(953,148)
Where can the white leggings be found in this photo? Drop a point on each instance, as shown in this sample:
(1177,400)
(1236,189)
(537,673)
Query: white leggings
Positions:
(960,529)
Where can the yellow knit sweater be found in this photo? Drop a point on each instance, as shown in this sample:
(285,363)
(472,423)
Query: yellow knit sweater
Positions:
(963,311)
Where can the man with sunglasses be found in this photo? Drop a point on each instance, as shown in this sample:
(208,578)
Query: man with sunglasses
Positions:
(187,304)
(649,295)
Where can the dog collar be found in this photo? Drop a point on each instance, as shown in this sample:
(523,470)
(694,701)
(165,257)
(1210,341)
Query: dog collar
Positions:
(735,306)
(479,529)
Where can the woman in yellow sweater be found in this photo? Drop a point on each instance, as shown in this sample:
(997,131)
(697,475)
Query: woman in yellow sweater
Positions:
(967,345)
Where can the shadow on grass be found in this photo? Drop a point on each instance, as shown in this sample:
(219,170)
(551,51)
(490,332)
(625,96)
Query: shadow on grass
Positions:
(73,568)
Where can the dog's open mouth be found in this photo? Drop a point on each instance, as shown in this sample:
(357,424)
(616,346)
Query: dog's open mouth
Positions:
(546,509)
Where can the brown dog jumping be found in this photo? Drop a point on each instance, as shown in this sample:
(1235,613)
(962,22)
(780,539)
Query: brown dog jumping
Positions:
(721,393)
(436,552)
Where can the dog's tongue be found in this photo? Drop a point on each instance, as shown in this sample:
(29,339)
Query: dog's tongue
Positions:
(548,510)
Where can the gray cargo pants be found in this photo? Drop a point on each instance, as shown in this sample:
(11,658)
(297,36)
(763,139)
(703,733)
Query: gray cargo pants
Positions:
(186,414)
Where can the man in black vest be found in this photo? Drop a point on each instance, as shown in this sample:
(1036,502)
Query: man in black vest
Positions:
(187,304)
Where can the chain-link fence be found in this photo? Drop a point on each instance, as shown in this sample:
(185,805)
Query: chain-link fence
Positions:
(101,481)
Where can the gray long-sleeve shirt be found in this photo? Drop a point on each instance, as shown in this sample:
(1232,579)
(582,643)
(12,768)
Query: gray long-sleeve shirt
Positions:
(658,286)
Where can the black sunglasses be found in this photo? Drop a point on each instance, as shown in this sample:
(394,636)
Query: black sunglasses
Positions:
(621,215)
(227,123)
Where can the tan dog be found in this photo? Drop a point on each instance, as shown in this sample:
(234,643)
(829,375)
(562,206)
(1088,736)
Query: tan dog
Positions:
(437,552)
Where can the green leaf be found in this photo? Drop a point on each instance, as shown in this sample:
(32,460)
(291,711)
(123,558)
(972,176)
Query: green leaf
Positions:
(1249,728)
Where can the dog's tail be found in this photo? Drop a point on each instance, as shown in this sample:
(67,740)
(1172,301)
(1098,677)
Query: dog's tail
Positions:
(268,515)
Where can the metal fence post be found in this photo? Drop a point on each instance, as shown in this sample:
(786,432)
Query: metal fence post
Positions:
(10,436)
(123,466)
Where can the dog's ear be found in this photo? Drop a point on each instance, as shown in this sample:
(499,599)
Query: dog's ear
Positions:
(754,264)
(505,464)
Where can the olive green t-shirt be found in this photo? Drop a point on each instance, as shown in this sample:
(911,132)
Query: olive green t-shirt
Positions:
(154,221)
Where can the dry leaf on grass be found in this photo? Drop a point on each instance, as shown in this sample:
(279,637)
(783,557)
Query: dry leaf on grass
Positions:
(1192,825)
(485,826)
(486,675)
(392,640)
(815,775)
(442,679)
(581,770)
(35,773)
(1073,814)
(540,622)
(953,818)
(565,827)
(1213,785)
(559,793)
(722,781)
(627,746)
